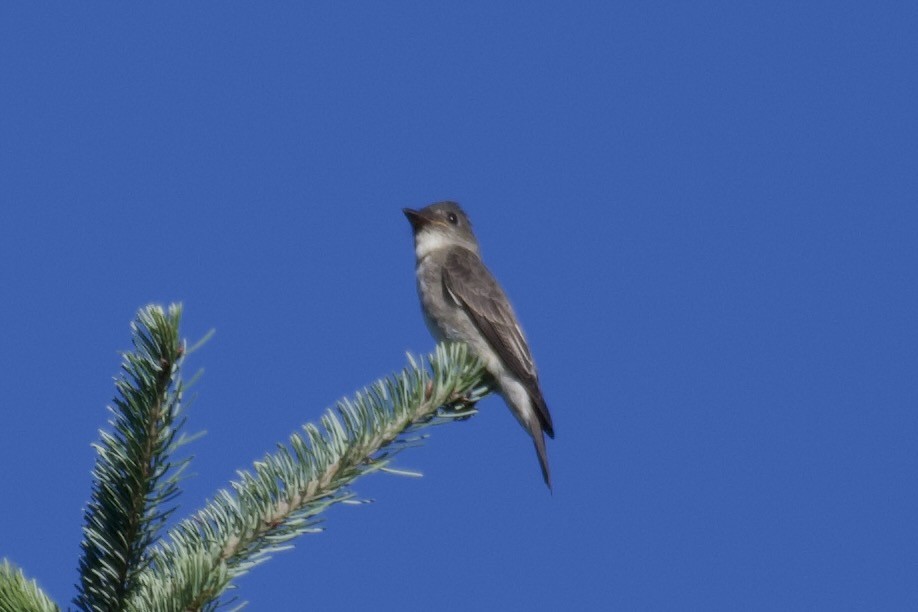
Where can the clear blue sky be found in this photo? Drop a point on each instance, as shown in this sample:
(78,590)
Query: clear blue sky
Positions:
(706,216)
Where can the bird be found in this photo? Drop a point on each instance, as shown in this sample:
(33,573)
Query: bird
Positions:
(463,302)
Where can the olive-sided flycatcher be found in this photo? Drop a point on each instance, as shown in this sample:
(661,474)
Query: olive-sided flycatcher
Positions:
(462,302)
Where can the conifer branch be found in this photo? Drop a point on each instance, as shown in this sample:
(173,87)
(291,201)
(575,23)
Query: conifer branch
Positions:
(133,475)
(284,493)
(127,566)
(19,594)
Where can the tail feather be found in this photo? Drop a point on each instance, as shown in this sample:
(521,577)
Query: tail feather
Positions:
(531,415)
(542,411)
(538,438)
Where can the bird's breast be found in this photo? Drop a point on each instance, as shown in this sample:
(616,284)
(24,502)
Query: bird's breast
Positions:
(448,320)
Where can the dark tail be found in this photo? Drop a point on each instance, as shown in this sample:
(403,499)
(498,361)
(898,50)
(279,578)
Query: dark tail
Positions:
(538,437)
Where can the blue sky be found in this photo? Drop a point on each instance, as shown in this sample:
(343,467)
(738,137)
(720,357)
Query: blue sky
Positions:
(704,214)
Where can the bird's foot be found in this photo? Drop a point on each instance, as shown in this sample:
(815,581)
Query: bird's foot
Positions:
(462,407)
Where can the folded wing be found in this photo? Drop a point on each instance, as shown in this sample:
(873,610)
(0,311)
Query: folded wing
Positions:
(470,284)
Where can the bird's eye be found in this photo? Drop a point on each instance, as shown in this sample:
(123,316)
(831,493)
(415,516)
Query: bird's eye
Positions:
(453,218)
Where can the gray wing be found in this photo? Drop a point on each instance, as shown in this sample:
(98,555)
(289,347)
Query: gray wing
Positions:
(470,284)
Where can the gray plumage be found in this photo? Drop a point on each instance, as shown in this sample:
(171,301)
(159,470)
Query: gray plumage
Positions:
(463,302)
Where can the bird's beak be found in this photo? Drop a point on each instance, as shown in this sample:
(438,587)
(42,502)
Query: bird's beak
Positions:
(417,218)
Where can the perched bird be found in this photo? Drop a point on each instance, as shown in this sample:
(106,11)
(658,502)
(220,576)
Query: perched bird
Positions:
(462,302)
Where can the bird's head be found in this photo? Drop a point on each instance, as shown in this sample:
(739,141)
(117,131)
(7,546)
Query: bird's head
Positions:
(442,225)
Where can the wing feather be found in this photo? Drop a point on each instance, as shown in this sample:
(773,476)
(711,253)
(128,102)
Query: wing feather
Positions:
(471,285)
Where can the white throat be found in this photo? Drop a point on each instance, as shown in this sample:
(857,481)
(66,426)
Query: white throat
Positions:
(426,242)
